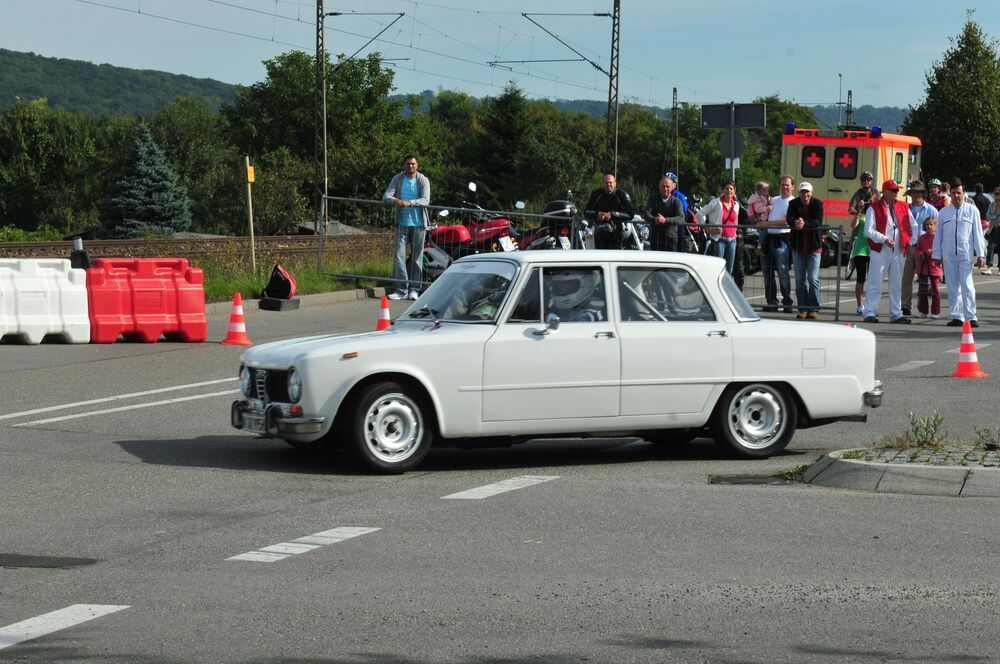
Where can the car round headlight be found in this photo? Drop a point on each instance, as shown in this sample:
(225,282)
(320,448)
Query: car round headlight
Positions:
(245,381)
(294,386)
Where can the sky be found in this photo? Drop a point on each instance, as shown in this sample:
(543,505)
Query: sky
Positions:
(713,51)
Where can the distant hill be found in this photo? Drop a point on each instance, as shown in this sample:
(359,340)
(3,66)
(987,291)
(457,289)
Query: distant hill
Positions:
(99,89)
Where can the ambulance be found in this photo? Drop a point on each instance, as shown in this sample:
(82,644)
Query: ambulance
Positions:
(833,162)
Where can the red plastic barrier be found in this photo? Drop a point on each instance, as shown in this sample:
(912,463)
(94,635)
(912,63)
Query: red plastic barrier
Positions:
(144,298)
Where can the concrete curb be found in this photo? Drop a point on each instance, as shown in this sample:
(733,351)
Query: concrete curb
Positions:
(958,481)
(333,297)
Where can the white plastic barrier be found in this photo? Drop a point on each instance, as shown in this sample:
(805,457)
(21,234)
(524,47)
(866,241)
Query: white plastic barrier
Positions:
(43,296)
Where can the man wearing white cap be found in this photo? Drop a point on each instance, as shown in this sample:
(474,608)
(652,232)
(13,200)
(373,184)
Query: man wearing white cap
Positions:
(804,217)
(958,244)
(888,225)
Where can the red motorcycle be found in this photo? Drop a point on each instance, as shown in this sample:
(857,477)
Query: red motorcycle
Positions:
(480,232)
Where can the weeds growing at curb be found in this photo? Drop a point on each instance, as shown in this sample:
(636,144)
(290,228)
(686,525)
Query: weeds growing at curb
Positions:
(793,474)
(924,432)
(987,439)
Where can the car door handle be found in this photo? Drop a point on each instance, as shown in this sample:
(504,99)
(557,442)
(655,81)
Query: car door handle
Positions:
(609,335)
(717,333)
(839,191)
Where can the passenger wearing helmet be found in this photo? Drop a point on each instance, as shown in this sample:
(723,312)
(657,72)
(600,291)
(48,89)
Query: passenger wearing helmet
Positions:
(576,296)
(934,195)
(863,197)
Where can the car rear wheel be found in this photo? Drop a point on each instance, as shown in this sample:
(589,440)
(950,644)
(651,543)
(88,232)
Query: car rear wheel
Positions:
(754,421)
(388,428)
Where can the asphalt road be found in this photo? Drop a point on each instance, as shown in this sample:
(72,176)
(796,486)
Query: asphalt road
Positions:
(611,550)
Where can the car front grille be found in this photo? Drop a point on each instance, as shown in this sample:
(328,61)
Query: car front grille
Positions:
(269,385)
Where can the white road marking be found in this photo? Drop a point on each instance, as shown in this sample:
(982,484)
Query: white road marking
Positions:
(26,630)
(978,347)
(501,487)
(909,366)
(282,550)
(123,408)
(118,397)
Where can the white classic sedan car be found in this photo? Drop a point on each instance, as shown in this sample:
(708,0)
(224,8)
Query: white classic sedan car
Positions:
(548,344)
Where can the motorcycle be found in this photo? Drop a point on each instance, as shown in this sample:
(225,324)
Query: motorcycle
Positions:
(481,232)
(556,229)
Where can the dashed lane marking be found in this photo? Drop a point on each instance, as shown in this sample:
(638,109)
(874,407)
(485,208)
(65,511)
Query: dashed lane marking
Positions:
(911,365)
(282,550)
(118,397)
(123,408)
(26,630)
(501,487)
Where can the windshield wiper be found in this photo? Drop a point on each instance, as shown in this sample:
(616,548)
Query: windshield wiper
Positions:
(424,312)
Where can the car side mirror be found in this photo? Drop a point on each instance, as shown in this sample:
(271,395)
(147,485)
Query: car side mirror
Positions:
(519,205)
(551,325)
(472,187)
(443,213)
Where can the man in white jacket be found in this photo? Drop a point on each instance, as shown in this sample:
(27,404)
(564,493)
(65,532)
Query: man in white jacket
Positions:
(959,245)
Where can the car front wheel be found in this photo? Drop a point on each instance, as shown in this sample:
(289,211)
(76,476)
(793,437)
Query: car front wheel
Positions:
(754,421)
(388,428)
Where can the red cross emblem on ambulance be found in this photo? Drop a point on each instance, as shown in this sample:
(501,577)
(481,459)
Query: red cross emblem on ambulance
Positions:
(813,159)
(846,160)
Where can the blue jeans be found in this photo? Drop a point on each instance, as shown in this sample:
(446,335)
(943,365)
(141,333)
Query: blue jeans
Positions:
(775,257)
(726,248)
(409,275)
(806,280)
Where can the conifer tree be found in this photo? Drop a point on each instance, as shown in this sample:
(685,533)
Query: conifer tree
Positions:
(959,119)
(147,199)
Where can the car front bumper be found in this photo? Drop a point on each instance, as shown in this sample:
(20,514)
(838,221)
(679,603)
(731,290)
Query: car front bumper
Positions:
(271,421)
(873,397)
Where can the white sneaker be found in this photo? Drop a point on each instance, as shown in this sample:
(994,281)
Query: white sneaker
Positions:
(935,316)
(986,270)
(412,295)
(395,295)
(920,314)
(861,311)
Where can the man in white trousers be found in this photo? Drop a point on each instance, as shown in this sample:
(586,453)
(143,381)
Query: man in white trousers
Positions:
(959,245)
(889,227)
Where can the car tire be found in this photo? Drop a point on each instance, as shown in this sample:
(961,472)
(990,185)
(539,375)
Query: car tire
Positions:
(754,421)
(388,428)
(667,437)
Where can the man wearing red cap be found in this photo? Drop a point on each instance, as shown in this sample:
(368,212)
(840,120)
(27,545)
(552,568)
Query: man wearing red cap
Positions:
(888,225)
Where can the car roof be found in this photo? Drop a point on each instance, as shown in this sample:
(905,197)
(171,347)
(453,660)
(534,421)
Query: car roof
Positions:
(557,256)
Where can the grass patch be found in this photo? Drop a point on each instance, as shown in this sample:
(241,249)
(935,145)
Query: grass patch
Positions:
(222,281)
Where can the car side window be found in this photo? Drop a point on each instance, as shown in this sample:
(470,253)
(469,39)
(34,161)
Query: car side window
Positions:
(661,294)
(529,306)
(575,294)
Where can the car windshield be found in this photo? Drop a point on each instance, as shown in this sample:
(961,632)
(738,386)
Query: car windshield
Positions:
(471,291)
(743,309)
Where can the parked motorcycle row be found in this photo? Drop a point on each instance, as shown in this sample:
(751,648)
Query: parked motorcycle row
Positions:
(478,231)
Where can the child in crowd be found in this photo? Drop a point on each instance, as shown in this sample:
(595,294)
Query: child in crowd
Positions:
(758,208)
(928,274)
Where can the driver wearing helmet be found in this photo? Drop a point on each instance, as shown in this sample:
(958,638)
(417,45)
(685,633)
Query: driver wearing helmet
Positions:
(864,196)
(572,295)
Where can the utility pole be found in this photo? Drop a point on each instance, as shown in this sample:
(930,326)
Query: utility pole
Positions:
(849,113)
(249,175)
(612,122)
(320,134)
(677,133)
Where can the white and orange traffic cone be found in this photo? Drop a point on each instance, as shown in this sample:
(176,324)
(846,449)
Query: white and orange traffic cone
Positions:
(968,362)
(383,315)
(237,335)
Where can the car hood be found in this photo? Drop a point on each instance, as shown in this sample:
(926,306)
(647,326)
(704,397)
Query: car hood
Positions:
(290,352)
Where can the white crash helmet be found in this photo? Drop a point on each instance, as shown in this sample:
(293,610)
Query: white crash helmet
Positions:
(570,290)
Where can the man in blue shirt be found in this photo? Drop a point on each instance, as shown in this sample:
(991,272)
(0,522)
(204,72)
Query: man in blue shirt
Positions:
(410,192)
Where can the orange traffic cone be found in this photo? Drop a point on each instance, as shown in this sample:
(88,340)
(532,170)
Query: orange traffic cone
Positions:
(383,315)
(968,363)
(237,335)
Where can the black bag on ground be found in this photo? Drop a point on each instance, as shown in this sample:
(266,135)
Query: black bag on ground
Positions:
(281,285)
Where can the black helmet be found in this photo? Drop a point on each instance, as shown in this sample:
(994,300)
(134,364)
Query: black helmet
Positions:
(559,208)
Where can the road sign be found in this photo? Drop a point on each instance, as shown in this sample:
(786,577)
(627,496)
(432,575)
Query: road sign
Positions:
(732,145)
(717,116)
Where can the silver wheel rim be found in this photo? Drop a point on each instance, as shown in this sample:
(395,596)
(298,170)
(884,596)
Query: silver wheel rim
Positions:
(757,416)
(393,428)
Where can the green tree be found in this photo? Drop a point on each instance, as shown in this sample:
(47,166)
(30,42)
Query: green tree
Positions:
(506,143)
(147,199)
(193,139)
(959,118)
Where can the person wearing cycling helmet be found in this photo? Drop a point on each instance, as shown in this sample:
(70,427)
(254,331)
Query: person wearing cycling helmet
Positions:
(862,198)
(575,295)
(934,195)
